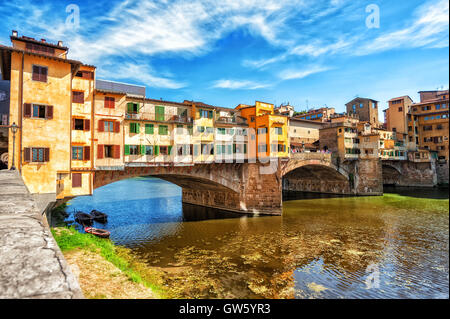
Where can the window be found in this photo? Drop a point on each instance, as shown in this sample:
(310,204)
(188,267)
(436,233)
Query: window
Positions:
(76,180)
(262,130)
(220,149)
(134,127)
(207,149)
(262,148)
(221,131)
(252,119)
(77,97)
(77,152)
(374,105)
(134,150)
(132,107)
(279,130)
(39,73)
(109,126)
(163,130)
(38,111)
(149,150)
(200,129)
(361,105)
(190,129)
(37,154)
(354,108)
(85,75)
(400,109)
(109,151)
(179,129)
(149,129)
(209,130)
(438,106)
(159,110)
(164,150)
(110,102)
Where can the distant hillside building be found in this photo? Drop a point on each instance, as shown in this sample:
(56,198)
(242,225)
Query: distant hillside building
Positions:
(366,109)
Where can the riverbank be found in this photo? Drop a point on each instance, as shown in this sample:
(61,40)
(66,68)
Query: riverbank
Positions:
(106,271)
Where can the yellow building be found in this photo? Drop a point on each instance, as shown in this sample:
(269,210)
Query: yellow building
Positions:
(41,104)
(269,131)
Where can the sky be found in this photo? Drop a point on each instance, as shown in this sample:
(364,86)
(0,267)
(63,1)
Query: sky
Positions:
(309,53)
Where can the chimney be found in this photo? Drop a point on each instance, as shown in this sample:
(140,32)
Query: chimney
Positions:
(60,43)
(14,33)
(43,40)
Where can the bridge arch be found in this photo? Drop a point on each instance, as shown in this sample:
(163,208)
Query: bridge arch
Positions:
(316,176)
(204,177)
(391,174)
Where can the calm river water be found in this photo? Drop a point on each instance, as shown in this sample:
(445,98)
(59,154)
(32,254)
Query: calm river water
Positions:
(394,246)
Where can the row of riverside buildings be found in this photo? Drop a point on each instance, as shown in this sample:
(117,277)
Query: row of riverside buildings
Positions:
(71,124)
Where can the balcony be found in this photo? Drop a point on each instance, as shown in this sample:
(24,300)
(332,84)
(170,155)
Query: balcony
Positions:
(144,116)
(226,120)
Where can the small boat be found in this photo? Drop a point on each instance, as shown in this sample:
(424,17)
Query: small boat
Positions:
(83,219)
(99,216)
(103,233)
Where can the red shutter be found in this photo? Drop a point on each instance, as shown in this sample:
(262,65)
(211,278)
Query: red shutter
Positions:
(76,179)
(46,154)
(87,125)
(73,123)
(99,151)
(36,73)
(49,114)
(107,101)
(116,151)
(87,153)
(101,126)
(116,126)
(77,97)
(27,110)
(27,154)
(43,74)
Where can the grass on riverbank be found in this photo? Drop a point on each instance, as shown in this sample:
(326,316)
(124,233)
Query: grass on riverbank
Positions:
(71,241)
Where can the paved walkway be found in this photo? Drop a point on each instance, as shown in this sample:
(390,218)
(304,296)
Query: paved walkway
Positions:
(31,263)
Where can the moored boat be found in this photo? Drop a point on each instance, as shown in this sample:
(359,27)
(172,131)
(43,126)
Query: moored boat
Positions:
(83,218)
(103,233)
(99,216)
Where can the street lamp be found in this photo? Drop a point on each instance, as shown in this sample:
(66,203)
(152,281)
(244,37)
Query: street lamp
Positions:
(14,129)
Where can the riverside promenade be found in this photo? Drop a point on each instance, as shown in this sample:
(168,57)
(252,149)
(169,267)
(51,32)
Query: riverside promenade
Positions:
(31,263)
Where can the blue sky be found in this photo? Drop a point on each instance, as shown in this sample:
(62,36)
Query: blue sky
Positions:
(226,52)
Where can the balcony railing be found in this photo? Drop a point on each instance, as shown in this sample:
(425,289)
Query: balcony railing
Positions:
(226,119)
(158,117)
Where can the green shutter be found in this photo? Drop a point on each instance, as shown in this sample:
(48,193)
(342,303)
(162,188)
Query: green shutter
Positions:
(170,149)
(148,128)
(127,149)
(190,129)
(159,110)
(156,150)
(142,149)
(210,114)
(130,107)
(234,148)
(245,148)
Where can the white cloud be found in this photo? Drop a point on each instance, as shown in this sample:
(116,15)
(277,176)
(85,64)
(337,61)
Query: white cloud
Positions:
(239,85)
(290,74)
(139,72)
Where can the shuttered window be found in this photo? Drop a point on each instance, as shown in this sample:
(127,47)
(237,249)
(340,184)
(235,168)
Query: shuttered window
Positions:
(36,154)
(134,127)
(38,111)
(76,179)
(77,152)
(159,110)
(39,73)
(110,102)
(77,97)
(163,130)
(148,128)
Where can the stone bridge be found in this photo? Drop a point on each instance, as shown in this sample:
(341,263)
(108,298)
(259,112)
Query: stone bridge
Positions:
(257,187)
(408,173)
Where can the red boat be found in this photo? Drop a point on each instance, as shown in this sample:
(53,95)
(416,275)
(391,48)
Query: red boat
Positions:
(97,232)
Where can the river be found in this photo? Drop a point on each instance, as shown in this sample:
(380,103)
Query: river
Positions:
(393,246)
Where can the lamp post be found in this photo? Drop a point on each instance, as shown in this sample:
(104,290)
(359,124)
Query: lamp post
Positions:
(14,129)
